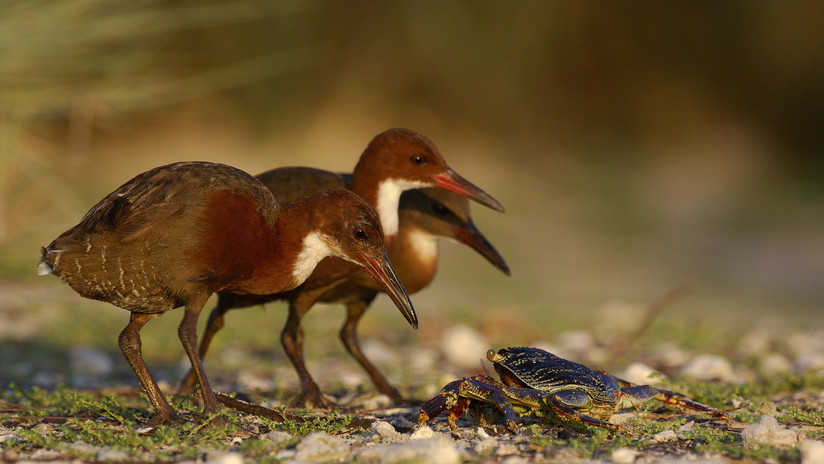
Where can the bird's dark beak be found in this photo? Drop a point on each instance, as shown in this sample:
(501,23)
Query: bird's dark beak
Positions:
(382,271)
(472,237)
(452,181)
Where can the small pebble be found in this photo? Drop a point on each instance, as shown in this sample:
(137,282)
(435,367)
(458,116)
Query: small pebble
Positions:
(322,447)
(624,456)
(514,460)
(505,449)
(754,343)
(670,356)
(110,455)
(808,362)
(812,451)
(775,364)
(485,446)
(804,343)
(464,346)
(10,455)
(642,374)
(248,380)
(621,418)
(767,431)
(423,433)
(379,352)
(225,458)
(278,436)
(685,430)
(384,429)
(428,450)
(580,346)
(663,436)
(709,367)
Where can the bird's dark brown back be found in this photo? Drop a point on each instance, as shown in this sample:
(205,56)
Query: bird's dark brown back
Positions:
(290,184)
(139,247)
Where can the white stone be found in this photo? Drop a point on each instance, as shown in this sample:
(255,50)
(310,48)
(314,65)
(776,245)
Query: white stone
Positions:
(580,346)
(384,429)
(624,456)
(642,374)
(514,460)
(423,360)
(663,436)
(423,433)
(775,364)
(670,356)
(709,367)
(506,449)
(486,445)
(278,436)
(110,455)
(685,430)
(226,458)
(807,362)
(622,418)
(802,343)
(250,381)
(464,346)
(379,352)
(754,343)
(428,450)
(812,451)
(767,431)
(322,447)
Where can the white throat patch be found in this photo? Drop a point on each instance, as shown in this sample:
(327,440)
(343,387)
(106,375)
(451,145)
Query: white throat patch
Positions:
(424,244)
(314,250)
(389,195)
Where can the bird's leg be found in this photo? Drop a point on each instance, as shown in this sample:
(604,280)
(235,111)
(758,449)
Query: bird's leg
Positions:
(131,346)
(292,340)
(213,325)
(187,332)
(349,337)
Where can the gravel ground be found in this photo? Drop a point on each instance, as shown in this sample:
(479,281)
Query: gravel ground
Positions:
(383,433)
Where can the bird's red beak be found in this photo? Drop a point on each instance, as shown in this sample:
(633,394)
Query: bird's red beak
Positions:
(452,181)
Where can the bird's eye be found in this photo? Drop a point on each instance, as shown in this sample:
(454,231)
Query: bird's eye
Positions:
(439,209)
(360,234)
(418,159)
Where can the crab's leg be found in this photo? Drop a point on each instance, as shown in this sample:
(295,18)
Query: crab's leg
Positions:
(498,397)
(446,399)
(677,399)
(633,394)
(456,395)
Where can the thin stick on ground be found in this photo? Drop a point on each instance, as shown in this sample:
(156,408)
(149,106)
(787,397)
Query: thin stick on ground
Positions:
(622,344)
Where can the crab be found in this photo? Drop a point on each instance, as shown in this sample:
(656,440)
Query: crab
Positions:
(552,388)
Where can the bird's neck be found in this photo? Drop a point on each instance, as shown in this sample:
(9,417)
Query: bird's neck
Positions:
(384,194)
(289,256)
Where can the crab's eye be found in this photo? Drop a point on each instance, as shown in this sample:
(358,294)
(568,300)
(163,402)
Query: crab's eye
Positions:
(418,159)
(360,234)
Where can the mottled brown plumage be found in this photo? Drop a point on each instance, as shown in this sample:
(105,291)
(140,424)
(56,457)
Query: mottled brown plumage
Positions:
(175,234)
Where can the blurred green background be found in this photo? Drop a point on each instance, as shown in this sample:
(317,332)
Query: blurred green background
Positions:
(635,145)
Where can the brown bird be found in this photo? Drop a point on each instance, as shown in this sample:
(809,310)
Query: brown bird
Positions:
(425,216)
(395,161)
(174,235)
